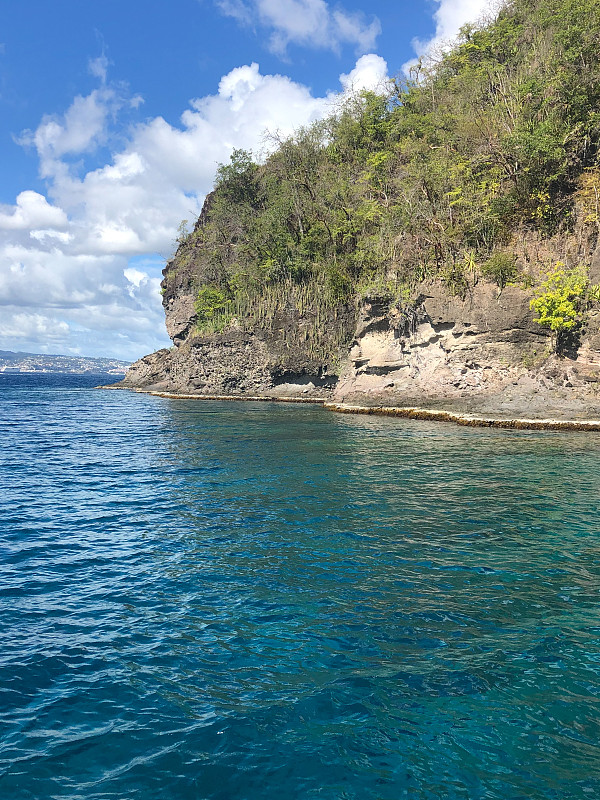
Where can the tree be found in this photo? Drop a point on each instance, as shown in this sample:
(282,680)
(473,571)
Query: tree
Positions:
(560,302)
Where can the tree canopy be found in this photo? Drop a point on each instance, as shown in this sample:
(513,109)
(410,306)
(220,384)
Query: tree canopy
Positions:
(429,179)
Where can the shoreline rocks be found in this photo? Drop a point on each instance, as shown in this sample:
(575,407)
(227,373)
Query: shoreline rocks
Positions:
(404,412)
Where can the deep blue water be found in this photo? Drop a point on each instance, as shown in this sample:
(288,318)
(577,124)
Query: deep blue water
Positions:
(243,601)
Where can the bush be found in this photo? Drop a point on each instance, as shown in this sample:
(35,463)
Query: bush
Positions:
(560,301)
(500,268)
(339,283)
(211,304)
(455,279)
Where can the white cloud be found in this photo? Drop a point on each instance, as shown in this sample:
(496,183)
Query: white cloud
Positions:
(449,17)
(98,67)
(370,73)
(135,276)
(22,325)
(75,255)
(80,130)
(310,23)
(32,210)
(40,235)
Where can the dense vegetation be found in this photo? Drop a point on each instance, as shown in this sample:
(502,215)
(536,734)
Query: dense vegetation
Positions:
(431,179)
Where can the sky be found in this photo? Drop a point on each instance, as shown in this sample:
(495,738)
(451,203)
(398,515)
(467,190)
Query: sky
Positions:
(114,117)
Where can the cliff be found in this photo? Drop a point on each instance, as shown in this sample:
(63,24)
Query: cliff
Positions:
(480,352)
(437,246)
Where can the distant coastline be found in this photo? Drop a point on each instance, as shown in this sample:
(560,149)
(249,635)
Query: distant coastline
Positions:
(16,363)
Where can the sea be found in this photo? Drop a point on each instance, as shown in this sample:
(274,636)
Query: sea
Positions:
(244,600)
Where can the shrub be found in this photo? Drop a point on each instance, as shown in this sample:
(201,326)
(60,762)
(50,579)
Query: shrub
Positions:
(501,268)
(560,301)
(211,306)
(455,279)
(339,283)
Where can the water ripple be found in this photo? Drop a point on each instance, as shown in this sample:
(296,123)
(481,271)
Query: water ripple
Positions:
(240,601)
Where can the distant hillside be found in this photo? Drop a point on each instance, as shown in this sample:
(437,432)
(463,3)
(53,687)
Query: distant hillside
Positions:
(74,365)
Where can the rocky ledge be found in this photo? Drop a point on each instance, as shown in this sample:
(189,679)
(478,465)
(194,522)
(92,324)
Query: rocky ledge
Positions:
(480,354)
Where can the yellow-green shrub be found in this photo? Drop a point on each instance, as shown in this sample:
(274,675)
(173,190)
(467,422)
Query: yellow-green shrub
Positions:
(561,300)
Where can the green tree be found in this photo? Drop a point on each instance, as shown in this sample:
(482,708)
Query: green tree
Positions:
(560,302)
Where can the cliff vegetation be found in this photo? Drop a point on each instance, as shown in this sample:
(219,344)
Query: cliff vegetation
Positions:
(436,242)
(430,180)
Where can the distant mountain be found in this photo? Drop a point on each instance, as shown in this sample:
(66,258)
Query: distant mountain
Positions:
(75,365)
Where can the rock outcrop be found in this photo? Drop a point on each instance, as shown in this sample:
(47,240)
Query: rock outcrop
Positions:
(479,352)
(275,360)
(482,354)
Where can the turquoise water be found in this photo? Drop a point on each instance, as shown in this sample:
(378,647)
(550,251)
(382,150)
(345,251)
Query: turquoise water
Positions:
(243,601)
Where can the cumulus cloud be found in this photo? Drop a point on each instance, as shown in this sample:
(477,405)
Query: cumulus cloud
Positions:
(449,17)
(311,23)
(80,130)
(370,73)
(89,254)
(19,325)
(32,210)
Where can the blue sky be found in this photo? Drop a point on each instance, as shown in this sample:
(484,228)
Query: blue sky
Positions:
(114,117)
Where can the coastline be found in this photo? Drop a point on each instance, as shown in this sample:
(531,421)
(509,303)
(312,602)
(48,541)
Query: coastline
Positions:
(403,412)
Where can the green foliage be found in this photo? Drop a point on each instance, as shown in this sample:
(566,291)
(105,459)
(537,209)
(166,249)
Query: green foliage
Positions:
(375,286)
(501,267)
(236,179)
(455,278)
(211,308)
(339,284)
(428,180)
(594,293)
(561,301)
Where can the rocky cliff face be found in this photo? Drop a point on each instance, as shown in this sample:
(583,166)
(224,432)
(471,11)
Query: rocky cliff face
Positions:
(280,356)
(480,352)
(236,362)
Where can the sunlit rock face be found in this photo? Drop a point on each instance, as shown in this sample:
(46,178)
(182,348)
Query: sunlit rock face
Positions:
(479,350)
